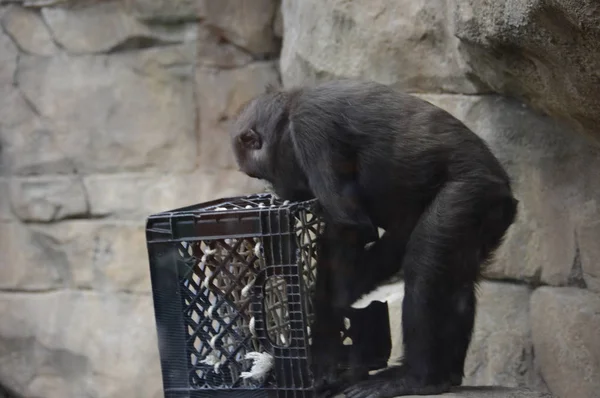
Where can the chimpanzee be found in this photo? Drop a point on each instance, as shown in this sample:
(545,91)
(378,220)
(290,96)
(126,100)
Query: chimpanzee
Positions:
(376,157)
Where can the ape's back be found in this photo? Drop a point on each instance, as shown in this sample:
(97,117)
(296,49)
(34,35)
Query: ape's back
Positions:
(401,142)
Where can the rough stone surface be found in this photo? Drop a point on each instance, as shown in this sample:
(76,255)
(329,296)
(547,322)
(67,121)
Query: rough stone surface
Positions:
(5,210)
(213,53)
(565,324)
(35,3)
(485,392)
(8,60)
(549,167)
(405,43)
(169,11)
(74,254)
(103,256)
(25,265)
(79,344)
(546,52)
(93,124)
(48,199)
(28,29)
(488,392)
(589,250)
(136,196)
(221,94)
(30,146)
(245,23)
(23,138)
(106,26)
(501,350)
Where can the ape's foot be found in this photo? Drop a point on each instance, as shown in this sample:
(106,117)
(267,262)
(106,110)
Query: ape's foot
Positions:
(332,385)
(385,388)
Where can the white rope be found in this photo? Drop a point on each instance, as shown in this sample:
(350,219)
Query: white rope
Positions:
(213,341)
(207,253)
(257,248)
(246,289)
(209,313)
(262,364)
(211,359)
(205,282)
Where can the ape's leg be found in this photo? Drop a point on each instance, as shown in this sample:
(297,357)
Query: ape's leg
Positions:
(375,265)
(459,331)
(339,250)
(453,238)
(460,315)
(493,227)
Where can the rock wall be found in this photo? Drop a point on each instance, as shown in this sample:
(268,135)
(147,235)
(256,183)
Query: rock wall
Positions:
(109,111)
(112,110)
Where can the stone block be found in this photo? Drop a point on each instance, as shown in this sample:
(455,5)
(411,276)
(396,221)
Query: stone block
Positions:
(565,324)
(167,11)
(5,210)
(25,262)
(8,60)
(589,250)
(213,52)
(551,169)
(136,196)
(501,352)
(129,111)
(30,144)
(488,392)
(96,27)
(73,344)
(408,44)
(545,53)
(98,255)
(79,254)
(27,28)
(45,199)
(245,23)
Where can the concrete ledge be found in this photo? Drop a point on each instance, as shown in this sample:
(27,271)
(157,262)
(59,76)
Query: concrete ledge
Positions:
(484,392)
(489,392)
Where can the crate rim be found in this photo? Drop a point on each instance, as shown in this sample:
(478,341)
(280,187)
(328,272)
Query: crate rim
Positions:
(198,209)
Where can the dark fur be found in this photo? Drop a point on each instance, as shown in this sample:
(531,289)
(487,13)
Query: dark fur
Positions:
(373,156)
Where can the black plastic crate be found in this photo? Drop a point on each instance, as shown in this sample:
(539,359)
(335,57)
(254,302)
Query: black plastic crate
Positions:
(235,276)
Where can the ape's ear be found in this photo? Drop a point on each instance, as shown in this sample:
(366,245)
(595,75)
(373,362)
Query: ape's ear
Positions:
(250,139)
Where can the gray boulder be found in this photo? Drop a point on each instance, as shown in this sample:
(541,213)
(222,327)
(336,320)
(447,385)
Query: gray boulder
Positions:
(546,53)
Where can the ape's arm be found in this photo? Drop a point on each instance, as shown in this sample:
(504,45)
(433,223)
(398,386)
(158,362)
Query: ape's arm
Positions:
(330,174)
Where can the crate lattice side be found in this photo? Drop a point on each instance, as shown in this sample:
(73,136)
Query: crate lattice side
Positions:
(217,288)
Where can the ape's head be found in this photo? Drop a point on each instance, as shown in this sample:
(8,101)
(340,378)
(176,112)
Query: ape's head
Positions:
(262,145)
